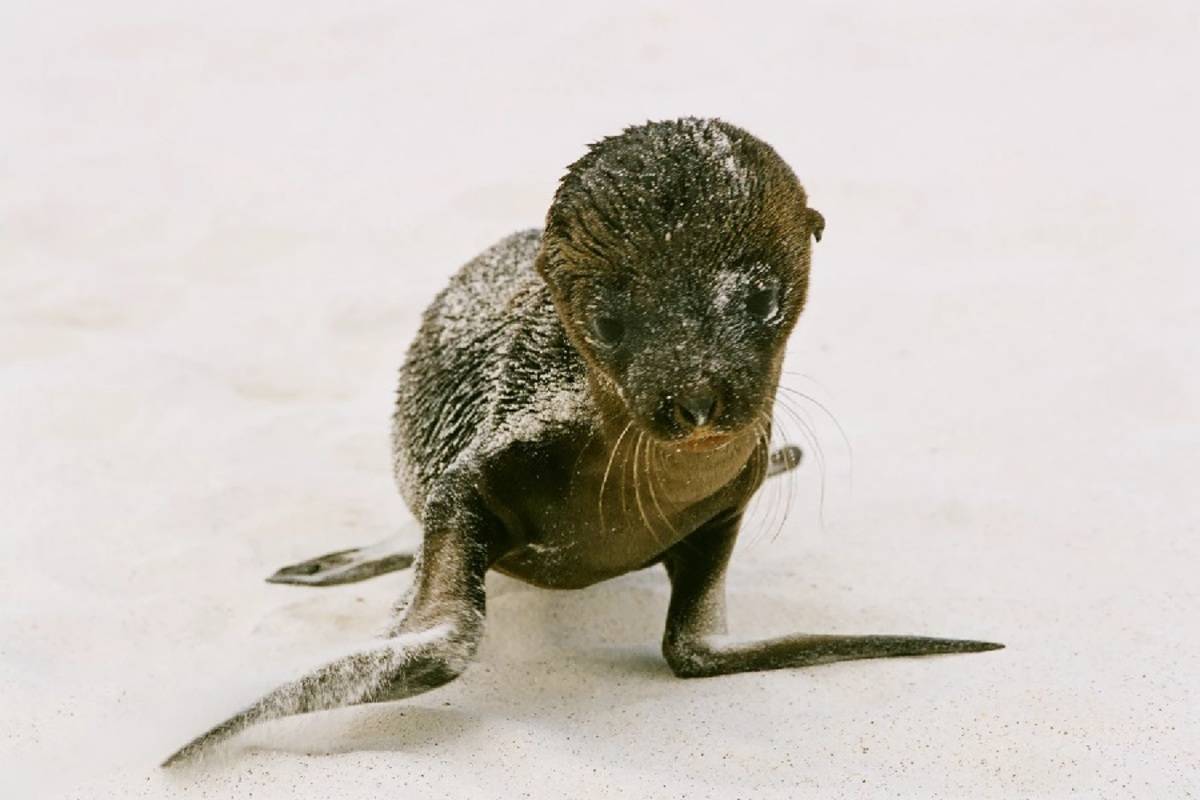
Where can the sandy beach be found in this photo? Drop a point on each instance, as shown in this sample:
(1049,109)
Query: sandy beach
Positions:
(219,224)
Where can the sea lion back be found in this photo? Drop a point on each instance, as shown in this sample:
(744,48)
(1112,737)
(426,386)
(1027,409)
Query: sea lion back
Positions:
(490,364)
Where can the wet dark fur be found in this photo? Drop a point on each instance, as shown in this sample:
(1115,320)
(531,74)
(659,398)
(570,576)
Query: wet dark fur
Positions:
(642,222)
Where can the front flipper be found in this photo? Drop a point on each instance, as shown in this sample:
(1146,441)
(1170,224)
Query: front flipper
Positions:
(402,666)
(431,644)
(695,642)
(349,566)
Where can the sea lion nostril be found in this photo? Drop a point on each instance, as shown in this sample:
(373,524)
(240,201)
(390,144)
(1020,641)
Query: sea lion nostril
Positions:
(696,408)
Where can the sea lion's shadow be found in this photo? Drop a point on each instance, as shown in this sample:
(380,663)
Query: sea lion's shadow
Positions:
(399,726)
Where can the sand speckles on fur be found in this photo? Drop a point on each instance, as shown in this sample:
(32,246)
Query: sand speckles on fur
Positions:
(496,311)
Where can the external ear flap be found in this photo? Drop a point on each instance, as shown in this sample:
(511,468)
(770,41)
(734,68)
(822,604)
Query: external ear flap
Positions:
(816,222)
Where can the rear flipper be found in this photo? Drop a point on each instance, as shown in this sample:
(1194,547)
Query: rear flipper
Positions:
(784,459)
(348,566)
(397,552)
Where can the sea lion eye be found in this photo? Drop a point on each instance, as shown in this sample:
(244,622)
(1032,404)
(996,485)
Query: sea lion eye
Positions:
(763,303)
(609,331)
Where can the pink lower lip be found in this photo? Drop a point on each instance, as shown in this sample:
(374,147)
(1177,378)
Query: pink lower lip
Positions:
(705,442)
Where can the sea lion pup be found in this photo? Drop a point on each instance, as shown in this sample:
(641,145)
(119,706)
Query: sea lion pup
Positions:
(594,399)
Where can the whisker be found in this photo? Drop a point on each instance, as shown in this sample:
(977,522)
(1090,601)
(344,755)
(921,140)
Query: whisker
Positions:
(841,431)
(783,494)
(813,381)
(797,415)
(762,465)
(653,493)
(600,422)
(793,480)
(607,469)
(810,434)
(625,485)
(760,474)
(637,491)
(775,499)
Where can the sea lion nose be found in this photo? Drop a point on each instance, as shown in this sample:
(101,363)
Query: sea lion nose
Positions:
(696,408)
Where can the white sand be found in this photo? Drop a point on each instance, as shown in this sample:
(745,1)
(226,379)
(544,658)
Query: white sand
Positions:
(218,228)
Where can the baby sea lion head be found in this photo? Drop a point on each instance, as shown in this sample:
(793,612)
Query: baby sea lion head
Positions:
(677,254)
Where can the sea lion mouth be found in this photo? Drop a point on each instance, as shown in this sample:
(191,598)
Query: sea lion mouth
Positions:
(705,442)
